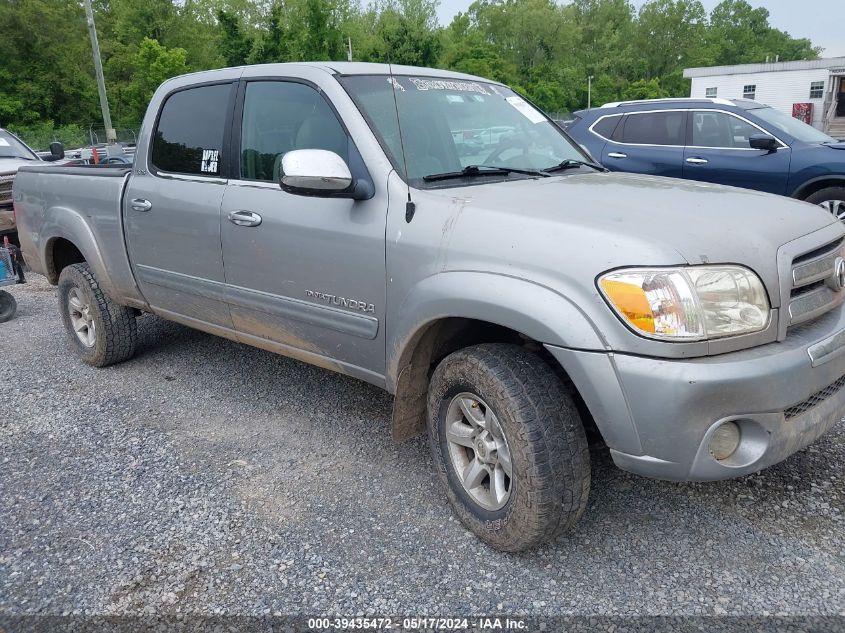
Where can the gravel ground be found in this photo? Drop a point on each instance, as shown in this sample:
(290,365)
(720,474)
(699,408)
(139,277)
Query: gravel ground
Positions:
(208,477)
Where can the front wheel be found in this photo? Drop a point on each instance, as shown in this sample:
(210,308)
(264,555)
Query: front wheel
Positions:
(101,331)
(508,445)
(832,199)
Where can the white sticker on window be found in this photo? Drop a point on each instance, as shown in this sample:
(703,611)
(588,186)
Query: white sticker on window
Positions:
(441,84)
(396,84)
(4,142)
(526,109)
(209,161)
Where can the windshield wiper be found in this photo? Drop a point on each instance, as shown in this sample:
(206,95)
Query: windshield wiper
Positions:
(571,163)
(471,171)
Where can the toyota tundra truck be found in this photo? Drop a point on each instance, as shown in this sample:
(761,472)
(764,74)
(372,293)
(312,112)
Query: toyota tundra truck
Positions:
(509,295)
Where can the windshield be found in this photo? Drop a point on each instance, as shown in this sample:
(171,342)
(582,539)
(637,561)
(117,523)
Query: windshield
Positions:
(450,124)
(11,147)
(785,123)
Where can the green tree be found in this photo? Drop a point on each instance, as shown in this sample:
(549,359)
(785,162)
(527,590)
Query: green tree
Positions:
(644,89)
(670,34)
(152,65)
(741,34)
(234,46)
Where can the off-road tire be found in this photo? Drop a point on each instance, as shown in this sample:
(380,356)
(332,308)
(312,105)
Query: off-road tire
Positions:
(827,194)
(115,326)
(8,306)
(548,446)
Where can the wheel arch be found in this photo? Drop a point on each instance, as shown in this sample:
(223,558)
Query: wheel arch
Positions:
(817,184)
(67,238)
(455,310)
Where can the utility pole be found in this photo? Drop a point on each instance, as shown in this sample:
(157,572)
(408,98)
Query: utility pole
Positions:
(111,136)
(349,50)
(589,91)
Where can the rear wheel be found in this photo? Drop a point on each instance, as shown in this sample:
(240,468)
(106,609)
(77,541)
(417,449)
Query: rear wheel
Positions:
(100,331)
(832,199)
(508,445)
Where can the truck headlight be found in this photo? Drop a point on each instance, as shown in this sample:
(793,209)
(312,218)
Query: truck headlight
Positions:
(691,303)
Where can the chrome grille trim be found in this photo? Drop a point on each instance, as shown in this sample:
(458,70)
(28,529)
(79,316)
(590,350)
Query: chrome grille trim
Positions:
(810,297)
(6,181)
(814,270)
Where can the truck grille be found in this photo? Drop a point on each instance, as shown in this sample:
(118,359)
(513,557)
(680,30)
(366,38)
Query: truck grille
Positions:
(816,399)
(6,181)
(812,291)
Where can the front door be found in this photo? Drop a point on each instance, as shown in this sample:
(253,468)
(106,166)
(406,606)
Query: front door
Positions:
(172,209)
(304,274)
(648,143)
(719,152)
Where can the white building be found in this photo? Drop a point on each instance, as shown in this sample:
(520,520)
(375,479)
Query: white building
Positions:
(782,85)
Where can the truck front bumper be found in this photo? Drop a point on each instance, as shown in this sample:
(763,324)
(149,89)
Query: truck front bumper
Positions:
(658,416)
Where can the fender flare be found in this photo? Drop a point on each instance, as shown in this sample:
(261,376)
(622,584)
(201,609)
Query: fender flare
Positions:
(65,223)
(536,311)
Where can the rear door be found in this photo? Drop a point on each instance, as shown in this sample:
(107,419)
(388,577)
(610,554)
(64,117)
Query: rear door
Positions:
(172,208)
(648,143)
(718,151)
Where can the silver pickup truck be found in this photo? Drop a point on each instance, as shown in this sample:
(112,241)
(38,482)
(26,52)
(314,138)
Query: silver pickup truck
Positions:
(434,234)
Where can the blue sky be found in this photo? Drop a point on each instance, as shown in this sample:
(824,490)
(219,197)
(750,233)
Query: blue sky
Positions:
(823,21)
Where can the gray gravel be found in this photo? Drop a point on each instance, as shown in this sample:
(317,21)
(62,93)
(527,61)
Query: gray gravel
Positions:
(208,477)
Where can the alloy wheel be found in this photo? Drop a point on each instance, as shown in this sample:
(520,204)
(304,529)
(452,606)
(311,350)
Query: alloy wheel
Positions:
(479,451)
(836,207)
(81,318)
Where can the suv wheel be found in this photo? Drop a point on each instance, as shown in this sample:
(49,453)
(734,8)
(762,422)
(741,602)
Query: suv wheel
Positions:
(101,332)
(832,199)
(508,445)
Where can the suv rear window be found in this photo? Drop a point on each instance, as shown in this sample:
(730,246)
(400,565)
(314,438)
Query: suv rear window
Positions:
(604,127)
(189,136)
(654,128)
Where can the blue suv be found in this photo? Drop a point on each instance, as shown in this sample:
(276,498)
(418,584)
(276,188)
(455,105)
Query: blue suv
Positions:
(726,141)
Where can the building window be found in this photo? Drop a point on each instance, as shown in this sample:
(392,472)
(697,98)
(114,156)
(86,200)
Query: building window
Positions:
(710,93)
(749,91)
(816,89)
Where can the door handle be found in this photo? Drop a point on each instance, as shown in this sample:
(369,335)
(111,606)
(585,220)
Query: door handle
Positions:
(244,218)
(697,161)
(616,155)
(139,204)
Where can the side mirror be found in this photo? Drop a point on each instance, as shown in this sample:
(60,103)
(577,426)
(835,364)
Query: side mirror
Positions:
(57,150)
(763,141)
(315,172)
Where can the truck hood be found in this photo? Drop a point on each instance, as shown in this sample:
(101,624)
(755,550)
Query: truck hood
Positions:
(608,220)
(8,165)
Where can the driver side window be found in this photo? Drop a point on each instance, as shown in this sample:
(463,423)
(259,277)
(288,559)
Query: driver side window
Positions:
(281,116)
(721,130)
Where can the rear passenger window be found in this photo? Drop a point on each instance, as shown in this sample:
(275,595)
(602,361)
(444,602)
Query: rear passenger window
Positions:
(654,128)
(189,136)
(282,116)
(604,127)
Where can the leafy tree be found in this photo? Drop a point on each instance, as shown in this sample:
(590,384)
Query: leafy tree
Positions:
(544,48)
(153,64)
(234,46)
(742,34)
(644,89)
(670,34)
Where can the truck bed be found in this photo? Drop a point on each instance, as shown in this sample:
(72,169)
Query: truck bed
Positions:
(83,203)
